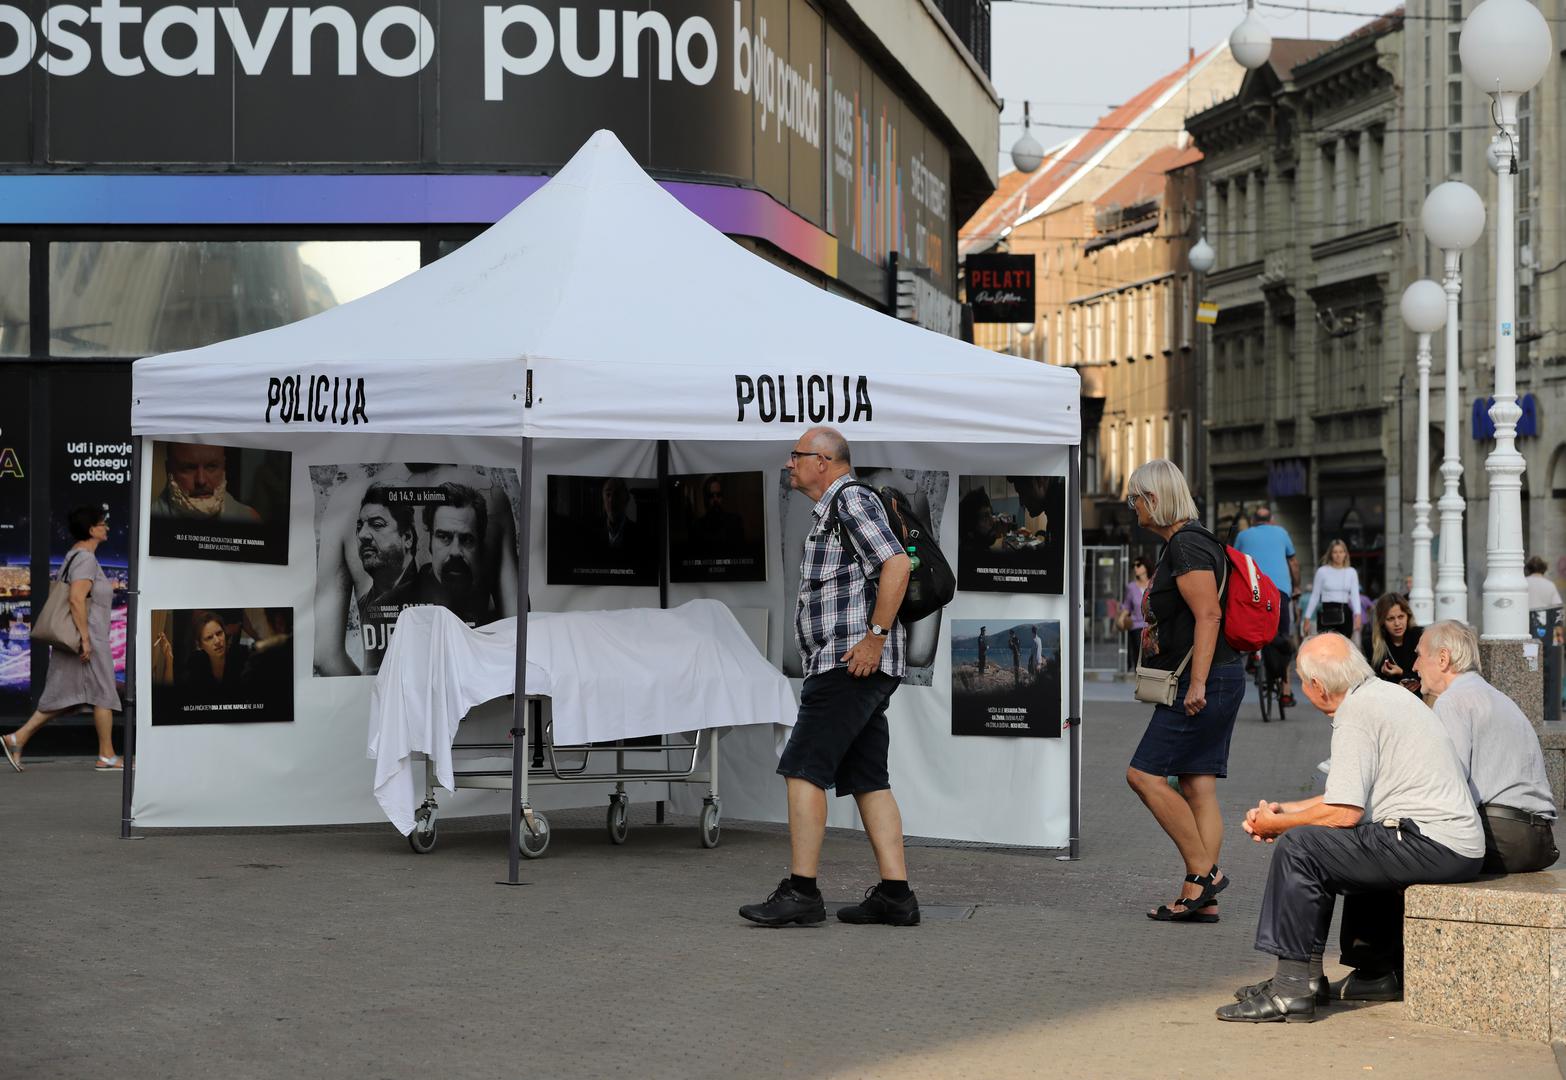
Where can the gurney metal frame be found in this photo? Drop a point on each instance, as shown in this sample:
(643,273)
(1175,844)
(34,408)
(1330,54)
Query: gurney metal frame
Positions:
(547,768)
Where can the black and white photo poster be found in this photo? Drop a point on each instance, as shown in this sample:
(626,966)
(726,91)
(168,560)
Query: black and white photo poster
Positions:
(222,666)
(1006,677)
(390,536)
(225,503)
(602,530)
(926,490)
(1010,534)
(717,528)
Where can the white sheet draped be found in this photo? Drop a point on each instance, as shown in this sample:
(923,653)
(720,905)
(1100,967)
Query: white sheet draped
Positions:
(609,675)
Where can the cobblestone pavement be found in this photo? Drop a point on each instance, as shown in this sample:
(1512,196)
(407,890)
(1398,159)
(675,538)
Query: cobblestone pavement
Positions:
(339,953)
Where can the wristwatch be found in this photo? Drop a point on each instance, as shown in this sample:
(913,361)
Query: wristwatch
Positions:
(877,630)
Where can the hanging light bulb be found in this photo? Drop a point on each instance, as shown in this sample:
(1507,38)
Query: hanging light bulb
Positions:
(1027,155)
(1250,44)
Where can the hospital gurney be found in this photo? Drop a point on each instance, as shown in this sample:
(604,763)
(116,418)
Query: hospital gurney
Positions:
(612,697)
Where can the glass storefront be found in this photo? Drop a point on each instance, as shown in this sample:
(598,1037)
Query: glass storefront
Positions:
(15,338)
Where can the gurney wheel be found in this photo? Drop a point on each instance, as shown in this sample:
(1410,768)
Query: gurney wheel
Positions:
(534,843)
(422,838)
(711,826)
(618,822)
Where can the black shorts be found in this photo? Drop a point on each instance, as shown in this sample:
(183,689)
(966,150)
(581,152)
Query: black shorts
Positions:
(840,739)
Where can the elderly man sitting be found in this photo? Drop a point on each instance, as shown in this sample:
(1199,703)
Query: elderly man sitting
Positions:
(1396,812)
(1504,766)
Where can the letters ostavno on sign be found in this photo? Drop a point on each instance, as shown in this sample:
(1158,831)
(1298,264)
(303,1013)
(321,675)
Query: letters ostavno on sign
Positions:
(1000,287)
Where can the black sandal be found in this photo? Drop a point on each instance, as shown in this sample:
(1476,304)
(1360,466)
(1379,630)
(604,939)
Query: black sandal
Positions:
(1210,887)
(1195,911)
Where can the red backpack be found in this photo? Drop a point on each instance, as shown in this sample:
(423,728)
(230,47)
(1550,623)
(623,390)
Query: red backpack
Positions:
(1251,604)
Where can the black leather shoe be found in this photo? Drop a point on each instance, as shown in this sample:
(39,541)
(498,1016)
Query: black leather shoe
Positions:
(1270,1008)
(786,906)
(1319,987)
(1359,987)
(877,907)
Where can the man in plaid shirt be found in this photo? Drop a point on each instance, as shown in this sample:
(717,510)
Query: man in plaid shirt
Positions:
(853,649)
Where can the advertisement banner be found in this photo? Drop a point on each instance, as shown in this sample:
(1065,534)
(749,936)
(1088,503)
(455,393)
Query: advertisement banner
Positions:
(90,465)
(390,536)
(15,553)
(1000,287)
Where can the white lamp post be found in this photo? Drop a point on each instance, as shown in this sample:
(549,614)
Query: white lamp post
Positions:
(1453,220)
(1424,310)
(1026,153)
(1505,47)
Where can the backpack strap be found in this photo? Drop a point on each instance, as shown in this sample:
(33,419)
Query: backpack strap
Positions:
(845,535)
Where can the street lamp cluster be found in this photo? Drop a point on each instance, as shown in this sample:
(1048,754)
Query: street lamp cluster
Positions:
(1505,47)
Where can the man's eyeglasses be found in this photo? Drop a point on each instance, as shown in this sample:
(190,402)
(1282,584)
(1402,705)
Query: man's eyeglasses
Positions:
(795,455)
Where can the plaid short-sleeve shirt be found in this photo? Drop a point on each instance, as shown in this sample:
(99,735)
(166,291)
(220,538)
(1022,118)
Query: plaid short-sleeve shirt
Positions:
(836,591)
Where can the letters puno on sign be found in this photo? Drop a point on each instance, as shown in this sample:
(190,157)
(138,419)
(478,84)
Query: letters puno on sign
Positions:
(316,399)
(819,399)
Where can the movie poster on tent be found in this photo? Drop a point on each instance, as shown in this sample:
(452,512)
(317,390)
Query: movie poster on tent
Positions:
(1011,534)
(222,666)
(602,530)
(224,503)
(717,527)
(1006,677)
(926,491)
(15,557)
(390,536)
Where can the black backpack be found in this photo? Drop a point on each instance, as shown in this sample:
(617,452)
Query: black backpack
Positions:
(931,584)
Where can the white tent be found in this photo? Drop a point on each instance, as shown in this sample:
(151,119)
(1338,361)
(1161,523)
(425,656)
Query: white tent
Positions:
(604,319)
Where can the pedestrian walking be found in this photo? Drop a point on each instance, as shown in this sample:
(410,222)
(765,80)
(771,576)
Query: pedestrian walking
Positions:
(854,659)
(1189,739)
(86,678)
(1335,594)
(1130,620)
(1272,548)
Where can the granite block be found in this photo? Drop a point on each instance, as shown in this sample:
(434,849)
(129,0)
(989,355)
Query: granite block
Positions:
(1480,977)
(1507,669)
(1532,900)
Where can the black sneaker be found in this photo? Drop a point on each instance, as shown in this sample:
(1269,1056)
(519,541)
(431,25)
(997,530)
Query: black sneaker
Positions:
(877,907)
(786,905)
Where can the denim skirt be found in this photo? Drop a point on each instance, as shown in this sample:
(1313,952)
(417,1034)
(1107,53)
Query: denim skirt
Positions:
(1175,744)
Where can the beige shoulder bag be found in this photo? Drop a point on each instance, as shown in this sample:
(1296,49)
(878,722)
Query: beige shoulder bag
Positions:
(1158,687)
(54,624)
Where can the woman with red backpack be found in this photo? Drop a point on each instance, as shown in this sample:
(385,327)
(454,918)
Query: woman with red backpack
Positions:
(1197,680)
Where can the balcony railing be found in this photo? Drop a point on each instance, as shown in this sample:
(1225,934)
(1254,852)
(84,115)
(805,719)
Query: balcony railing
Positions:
(970,21)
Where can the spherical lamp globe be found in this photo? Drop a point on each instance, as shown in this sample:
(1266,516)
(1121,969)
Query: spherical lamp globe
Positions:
(1251,44)
(1453,216)
(1424,306)
(1202,257)
(1026,154)
(1505,46)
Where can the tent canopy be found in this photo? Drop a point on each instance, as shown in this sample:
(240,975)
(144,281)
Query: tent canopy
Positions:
(602,308)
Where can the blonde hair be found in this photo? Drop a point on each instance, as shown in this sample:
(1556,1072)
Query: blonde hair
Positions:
(1458,639)
(1162,479)
(1378,640)
(1326,558)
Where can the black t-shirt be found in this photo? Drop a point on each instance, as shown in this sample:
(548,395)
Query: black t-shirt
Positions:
(1171,626)
(1402,655)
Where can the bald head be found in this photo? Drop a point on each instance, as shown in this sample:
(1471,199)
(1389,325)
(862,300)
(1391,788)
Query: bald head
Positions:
(1330,666)
(828,441)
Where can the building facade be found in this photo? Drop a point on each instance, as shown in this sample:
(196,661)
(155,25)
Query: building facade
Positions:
(172,176)
(1108,219)
(1305,379)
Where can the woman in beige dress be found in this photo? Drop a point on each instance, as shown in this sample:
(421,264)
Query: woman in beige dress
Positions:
(86,678)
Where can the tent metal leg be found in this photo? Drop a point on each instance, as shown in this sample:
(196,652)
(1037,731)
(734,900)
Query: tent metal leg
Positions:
(519,707)
(133,558)
(1074,617)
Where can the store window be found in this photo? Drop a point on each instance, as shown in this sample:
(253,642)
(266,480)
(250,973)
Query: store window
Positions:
(133,298)
(15,340)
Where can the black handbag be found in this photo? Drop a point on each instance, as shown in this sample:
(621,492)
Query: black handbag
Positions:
(1334,616)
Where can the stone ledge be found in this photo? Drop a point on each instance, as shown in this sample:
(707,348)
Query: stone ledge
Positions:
(1537,900)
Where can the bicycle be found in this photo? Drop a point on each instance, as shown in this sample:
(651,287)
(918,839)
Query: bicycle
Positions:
(1269,691)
